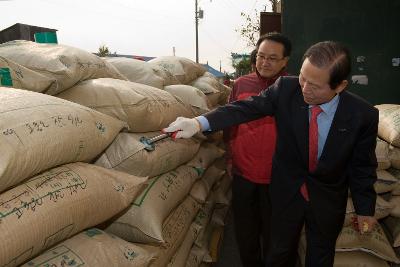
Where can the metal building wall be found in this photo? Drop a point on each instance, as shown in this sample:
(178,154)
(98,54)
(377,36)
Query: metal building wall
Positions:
(21,31)
(369,28)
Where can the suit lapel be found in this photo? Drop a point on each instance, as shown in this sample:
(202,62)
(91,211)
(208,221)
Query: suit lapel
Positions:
(300,121)
(340,127)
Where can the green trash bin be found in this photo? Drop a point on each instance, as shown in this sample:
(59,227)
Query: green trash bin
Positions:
(5,77)
(46,37)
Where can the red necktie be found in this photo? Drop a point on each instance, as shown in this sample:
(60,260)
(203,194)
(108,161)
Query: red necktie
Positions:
(312,146)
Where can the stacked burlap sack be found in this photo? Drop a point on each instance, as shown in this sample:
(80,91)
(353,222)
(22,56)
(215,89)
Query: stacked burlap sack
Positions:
(382,246)
(177,75)
(160,217)
(207,230)
(54,68)
(389,132)
(42,204)
(46,193)
(143,202)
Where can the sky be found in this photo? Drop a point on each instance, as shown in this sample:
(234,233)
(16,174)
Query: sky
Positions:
(141,27)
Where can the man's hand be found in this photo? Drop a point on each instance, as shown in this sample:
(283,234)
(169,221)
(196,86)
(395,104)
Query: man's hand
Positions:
(365,224)
(184,127)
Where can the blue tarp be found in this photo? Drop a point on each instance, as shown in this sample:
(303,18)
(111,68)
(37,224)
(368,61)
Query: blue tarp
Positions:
(213,71)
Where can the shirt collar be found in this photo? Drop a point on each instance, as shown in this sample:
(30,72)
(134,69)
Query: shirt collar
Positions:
(271,80)
(329,107)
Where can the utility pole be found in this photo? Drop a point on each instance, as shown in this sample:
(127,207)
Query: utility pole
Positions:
(197,31)
(198,14)
(274,4)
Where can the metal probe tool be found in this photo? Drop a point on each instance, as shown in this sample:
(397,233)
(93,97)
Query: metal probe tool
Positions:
(149,141)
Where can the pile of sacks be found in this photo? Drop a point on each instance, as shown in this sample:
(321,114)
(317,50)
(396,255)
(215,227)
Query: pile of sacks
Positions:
(77,184)
(382,246)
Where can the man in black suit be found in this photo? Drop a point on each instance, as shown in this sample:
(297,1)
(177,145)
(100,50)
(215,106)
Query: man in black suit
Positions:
(326,140)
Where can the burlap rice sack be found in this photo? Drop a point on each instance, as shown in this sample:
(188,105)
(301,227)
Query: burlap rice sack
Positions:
(57,204)
(392,224)
(174,230)
(182,253)
(302,248)
(209,240)
(25,78)
(375,243)
(139,71)
(202,187)
(215,242)
(389,123)
(203,219)
(358,259)
(207,83)
(212,88)
(127,154)
(382,209)
(142,222)
(65,64)
(395,201)
(224,90)
(196,228)
(385,182)
(396,174)
(382,154)
(216,137)
(394,157)
(207,154)
(222,191)
(213,99)
(197,255)
(144,108)
(215,221)
(94,248)
(347,258)
(183,69)
(191,96)
(220,213)
(39,132)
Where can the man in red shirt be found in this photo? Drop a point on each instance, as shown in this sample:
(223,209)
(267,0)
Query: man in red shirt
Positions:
(250,148)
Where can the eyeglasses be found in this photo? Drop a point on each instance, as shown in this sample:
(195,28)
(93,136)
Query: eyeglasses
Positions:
(271,59)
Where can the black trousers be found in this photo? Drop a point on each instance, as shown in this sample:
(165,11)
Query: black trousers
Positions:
(251,213)
(285,233)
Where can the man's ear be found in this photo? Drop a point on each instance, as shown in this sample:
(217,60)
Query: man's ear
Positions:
(341,86)
(286,61)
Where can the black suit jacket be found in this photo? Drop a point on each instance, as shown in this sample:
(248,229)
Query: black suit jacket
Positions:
(347,160)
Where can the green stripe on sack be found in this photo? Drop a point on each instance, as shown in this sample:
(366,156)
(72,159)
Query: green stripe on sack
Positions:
(5,77)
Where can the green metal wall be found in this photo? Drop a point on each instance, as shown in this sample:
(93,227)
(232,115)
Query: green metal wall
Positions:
(370,28)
